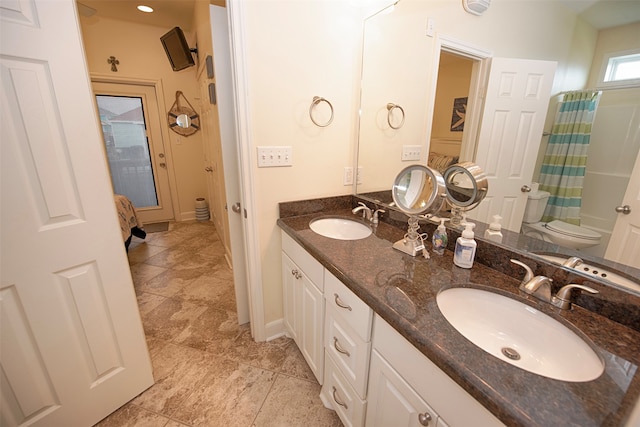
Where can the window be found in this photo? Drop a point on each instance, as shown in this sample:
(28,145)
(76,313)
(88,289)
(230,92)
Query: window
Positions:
(621,69)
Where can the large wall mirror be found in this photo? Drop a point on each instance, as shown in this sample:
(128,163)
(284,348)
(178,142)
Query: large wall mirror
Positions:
(437,80)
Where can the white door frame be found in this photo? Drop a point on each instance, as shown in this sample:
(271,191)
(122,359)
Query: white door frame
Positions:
(481,58)
(157,85)
(239,60)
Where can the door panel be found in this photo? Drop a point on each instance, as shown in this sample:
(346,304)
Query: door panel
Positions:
(73,349)
(624,246)
(134,146)
(515,109)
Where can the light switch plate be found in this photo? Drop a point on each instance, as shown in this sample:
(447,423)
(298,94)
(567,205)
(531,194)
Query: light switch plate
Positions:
(275,156)
(411,152)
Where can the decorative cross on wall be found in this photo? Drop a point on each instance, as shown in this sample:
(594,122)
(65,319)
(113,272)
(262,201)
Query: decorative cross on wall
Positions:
(113,61)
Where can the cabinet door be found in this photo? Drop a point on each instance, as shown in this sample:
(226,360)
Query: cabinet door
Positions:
(392,402)
(291,278)
(312,327)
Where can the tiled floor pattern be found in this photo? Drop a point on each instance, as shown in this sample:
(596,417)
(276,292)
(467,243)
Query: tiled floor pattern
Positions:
(208,370)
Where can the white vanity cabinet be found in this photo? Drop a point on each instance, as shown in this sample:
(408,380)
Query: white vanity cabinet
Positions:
(407,389)
(303,282)
(347,343)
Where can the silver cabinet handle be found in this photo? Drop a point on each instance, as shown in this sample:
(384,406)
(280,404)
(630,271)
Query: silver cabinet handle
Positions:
(296,274)
(339,348)
(525,189)
(626,209)
(335,398)
(424,418)
(340,304)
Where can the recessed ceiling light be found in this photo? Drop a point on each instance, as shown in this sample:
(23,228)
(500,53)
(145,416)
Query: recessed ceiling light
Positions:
(143,8)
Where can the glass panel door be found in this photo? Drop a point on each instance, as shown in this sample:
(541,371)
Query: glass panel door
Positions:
(128,154)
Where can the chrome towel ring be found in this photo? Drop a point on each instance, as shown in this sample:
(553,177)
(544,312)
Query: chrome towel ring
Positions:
(391,107)
(317,100)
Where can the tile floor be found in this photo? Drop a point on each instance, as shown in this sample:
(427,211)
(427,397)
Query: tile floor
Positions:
(208,370)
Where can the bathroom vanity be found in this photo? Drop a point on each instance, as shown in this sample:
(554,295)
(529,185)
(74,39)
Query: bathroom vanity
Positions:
(366,319)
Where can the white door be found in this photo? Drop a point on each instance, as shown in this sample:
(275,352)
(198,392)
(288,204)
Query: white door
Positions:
(229,140)
(73,348)
(515,108)
(132,134)
(624,246)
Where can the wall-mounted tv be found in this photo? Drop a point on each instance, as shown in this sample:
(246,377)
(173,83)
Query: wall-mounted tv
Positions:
(177,49)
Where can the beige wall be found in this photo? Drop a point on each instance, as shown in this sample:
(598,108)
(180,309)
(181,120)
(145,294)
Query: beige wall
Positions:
(141,56)
(454,78)
(613,40)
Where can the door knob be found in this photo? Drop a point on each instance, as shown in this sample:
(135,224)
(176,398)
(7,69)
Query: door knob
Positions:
(525,189)
(236,207)
(626,209)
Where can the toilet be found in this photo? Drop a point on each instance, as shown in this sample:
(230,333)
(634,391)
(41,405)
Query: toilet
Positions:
(558,232)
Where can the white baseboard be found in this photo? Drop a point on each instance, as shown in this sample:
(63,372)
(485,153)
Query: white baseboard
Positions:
(275,329)
(187,216)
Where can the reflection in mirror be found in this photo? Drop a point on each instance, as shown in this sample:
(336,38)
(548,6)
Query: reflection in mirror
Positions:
(466,185)
(574,48)
(183,121)
(417,190)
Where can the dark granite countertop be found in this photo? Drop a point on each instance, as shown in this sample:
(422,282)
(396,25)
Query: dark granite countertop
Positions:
(402,290)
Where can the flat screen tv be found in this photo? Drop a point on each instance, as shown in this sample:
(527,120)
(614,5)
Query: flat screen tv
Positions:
(177,49)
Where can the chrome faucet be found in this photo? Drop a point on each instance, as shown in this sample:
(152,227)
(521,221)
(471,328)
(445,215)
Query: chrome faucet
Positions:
(366,212)
(538,286)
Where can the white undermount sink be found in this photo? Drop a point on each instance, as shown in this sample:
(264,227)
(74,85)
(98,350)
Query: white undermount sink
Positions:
(340,228)
(519,334)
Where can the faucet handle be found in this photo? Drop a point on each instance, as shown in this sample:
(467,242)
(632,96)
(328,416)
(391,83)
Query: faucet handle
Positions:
(375,218)
(563,298)
(529,273)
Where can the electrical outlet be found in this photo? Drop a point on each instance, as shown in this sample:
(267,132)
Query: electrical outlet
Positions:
(347,178)
(269,157)
(411,152)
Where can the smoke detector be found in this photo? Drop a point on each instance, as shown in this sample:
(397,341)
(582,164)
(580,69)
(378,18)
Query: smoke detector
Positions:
(476,7)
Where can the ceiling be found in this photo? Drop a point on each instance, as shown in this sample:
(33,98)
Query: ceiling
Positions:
(179,13)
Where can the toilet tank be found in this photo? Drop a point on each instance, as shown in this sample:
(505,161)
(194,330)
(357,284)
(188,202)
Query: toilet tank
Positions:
(536,203)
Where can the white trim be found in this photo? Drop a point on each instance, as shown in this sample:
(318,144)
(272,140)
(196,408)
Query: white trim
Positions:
(166,140)
(616,84)
(251,235)
(275,329)
(480,71)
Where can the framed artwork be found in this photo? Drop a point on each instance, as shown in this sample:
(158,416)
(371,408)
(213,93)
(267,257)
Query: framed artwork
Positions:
(459,111)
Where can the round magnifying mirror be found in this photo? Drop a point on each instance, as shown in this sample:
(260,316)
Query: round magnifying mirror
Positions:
(418,190)
(466,185)
(183,121)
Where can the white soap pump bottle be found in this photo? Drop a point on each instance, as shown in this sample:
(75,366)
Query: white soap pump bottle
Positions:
(494,232)
(465,250)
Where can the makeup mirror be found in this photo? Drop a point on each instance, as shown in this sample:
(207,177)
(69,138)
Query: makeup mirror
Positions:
(417,190)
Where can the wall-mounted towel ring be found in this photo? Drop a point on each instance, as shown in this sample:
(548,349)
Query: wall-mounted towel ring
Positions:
(317,100)
(391,107)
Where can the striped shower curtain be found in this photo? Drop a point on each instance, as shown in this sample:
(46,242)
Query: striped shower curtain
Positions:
(565,161)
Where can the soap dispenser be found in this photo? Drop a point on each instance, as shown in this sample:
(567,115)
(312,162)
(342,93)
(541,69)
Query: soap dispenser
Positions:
(439,238)
(465,250)
(494,232)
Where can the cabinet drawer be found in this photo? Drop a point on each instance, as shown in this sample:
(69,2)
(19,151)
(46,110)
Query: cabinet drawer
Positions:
(348,351)
(352,309)
(311,268)
(341,396)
